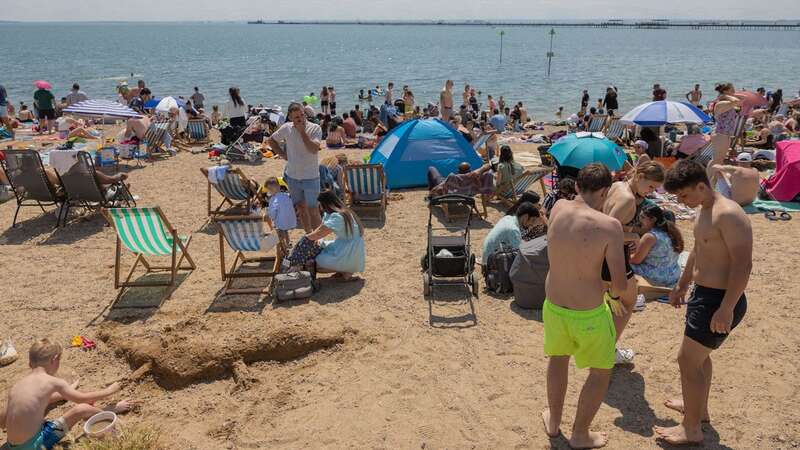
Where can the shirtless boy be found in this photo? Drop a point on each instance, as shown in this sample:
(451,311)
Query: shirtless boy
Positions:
(739,182)
(30,397)
(577,319)
(446,100)
(623,203)
(720,266)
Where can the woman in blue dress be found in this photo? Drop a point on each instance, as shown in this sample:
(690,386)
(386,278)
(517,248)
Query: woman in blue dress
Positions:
(656,255)
(345,254)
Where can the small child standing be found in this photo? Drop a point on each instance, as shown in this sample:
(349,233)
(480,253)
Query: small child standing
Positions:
(29,398)
(280,211)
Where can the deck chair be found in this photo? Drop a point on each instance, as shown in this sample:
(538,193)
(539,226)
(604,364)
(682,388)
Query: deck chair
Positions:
(738,132)
(615,130)
(366,186)
(481,141)
(597,124)
(246,234)
(782,110)
(197,131)
(236,192)
(155,139)
(704,155)
(508,193)
(83,190)
(30,184)
(146,232)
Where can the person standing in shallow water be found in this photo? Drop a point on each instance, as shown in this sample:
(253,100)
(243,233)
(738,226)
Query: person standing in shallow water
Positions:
(719,265)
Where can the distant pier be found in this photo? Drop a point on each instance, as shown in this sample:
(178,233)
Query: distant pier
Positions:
(650,24)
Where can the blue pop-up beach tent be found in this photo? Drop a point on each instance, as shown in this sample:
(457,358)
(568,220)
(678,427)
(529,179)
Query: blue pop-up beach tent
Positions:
(409,149)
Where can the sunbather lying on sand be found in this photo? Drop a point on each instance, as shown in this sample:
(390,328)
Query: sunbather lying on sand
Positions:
(739,182)
(28,400)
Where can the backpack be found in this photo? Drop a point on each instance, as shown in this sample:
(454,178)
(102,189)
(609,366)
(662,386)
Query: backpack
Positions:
(495,272)
(293,286)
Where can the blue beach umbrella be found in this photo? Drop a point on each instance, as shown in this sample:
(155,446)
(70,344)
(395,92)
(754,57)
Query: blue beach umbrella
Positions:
(655,114)
(153,102)
(579,149)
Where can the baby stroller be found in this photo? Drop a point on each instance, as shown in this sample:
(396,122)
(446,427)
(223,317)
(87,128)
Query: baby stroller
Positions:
(237,149)
(449,259)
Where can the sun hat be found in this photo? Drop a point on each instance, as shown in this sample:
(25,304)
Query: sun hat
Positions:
(641,144)
(744,157)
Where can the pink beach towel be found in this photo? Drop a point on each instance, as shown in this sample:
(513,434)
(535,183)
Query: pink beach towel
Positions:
(784,184)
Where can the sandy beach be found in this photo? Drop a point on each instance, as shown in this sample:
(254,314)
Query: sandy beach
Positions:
(371,364)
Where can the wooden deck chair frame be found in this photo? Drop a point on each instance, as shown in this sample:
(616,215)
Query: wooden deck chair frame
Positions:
(648,290)
(350,190)
(175,265)
(240,259)
(509,200)
(23,200)
(225,200)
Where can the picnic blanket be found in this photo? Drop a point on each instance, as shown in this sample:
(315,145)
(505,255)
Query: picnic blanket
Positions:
(669,201)
(753,208)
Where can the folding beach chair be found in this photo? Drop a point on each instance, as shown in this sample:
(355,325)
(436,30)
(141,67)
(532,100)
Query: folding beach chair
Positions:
(704,155)
(615,130)
(366,186)
(30,184)
(246,234)
(738,132)
(155,139)
(596,124)
(481,141)
(83,189)
(508,193)
(234,189)
(146,232)
(197,131)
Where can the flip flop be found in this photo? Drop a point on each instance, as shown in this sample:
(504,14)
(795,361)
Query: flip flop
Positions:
(775,215)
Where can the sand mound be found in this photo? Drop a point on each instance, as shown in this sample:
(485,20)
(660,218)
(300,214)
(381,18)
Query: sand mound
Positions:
(194,351)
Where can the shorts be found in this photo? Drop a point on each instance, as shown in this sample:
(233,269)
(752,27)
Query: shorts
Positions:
(51,433)
(305,191)
(605,274)
(588,335)
(702,305)
(47,113)
(3,111)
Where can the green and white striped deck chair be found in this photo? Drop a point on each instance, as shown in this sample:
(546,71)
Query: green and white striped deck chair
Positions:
(234,189)
(146,232)
(596,124)
(197,130)
(245,234)
(510,193)
(704,155)
(366,186)
(615,130)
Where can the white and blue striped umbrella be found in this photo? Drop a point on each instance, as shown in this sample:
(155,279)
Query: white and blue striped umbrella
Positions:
(665,112)
(101,108)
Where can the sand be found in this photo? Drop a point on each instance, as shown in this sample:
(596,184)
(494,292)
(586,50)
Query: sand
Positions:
(372,364)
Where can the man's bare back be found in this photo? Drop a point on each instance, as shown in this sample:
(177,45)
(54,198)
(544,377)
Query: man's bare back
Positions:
(579,239)
(744,182)
(712,260)
(620,203)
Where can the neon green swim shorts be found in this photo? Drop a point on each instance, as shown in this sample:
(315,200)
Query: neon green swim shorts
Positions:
(589,335)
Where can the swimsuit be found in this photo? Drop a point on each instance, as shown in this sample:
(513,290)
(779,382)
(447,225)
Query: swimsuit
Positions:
(726,122)
(702,305)
(724,188)
(587,335)
(52,431)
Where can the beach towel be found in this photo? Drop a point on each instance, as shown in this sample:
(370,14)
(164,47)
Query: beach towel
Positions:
(753,208)
(217,174)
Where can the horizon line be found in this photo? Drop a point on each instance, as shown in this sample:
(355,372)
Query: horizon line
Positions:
(421,21)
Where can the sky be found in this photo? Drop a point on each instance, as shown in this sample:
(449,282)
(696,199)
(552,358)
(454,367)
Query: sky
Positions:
(226,10)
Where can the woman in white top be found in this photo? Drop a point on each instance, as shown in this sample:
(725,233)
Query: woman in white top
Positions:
(235,109)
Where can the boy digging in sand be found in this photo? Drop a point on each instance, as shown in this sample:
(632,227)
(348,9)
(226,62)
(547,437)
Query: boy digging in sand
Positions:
(30,397)
(577,319)
(719,265)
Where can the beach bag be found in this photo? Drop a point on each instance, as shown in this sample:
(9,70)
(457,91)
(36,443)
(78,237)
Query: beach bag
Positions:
(304,252)
(293,286)
(497,268)
(529,272)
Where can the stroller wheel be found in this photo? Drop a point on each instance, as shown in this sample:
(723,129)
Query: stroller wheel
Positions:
(426,284)
(474,283)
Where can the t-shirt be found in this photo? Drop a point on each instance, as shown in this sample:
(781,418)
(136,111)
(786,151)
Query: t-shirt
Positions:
(349,126)
(498,121)
(232,110)
(44,100)
(198,99)
(505,232)
(301,163)
(509,171)
(281,212)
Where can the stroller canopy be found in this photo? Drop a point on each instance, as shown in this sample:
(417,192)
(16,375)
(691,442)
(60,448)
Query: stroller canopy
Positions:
(784,185)
(409,149)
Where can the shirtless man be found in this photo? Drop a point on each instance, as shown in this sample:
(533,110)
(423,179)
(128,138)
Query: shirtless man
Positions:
(30,397)
(622,204)
(577,319)
(695,95)
(719,265)
(446,100)
(739,183)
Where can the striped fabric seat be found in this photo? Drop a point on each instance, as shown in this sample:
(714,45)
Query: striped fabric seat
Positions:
(243,235)
(232,188)
(704,155)
(366,182)
(615,130)
(481,141)
(522,183)
(597,123)
(141,231)
(197,130)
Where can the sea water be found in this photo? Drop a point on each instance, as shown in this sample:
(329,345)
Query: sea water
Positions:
(275,64)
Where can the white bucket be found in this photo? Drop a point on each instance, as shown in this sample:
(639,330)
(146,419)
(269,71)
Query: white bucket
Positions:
(107,431)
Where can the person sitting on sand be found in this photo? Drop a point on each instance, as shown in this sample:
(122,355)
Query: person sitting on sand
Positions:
(336,135)
(565,190)
(508,232)
(25,115)
(29,399)
(739,182)
(465,182)
(764,138)
(656,256)
(216,116)
(577,318)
